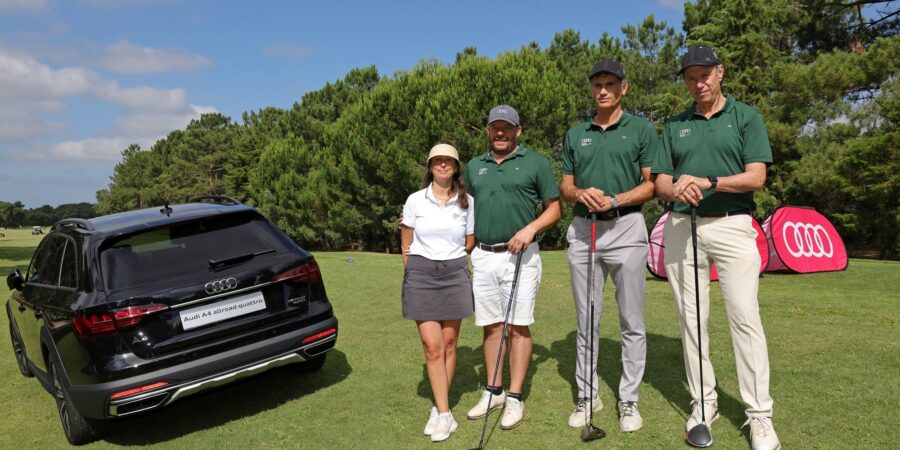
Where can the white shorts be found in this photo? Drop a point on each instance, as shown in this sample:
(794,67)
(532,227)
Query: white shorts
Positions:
(492,280)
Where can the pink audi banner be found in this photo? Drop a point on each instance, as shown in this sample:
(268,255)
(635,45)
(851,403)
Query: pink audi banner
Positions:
(656,260)
(803,241)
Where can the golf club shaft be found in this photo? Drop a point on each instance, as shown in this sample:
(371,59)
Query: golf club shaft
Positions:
(697,300)
(590,321)
(512,295)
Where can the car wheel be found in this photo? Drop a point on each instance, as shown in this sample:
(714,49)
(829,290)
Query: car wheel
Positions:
(312,365)
(79,429)
(19,351)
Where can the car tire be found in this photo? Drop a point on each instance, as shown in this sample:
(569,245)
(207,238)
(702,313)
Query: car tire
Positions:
(312,364)
(78,429)
(19,351)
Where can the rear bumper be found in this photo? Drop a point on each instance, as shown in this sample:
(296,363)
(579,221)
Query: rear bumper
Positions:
(195,376)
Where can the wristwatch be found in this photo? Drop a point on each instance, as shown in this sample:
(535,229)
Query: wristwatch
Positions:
(713,180)
(613,201)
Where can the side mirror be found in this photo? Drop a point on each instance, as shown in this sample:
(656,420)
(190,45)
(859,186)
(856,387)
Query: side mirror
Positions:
(15,280)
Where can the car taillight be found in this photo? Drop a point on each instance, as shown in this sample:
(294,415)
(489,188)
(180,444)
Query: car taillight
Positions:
(94,324)
(302,274)
(138,390)
(321,335)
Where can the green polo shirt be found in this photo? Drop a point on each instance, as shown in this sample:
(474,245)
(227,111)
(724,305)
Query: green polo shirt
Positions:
(507,194)
(611,159)
(720,146)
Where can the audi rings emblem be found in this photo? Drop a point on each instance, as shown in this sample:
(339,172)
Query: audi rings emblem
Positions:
(804,239)
(215,287)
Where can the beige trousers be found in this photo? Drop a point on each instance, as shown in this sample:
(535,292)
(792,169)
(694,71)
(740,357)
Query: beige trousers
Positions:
(729,242)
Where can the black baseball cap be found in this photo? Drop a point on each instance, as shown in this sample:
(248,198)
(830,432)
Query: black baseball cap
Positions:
(699,55)
(609,66)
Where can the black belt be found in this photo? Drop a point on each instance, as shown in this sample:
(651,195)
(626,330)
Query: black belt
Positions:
(737,212)
(615,213)
(495,248)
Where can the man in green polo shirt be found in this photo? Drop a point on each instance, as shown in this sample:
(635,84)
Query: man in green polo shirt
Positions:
(607,172)
(508,183)
(714,157)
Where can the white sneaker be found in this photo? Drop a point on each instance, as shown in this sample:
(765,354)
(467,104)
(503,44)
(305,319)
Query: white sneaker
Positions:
(481,408)
(712,413)
(577,418)
(629,417)
(513,413)
(446,424)
(432,421)
(762,434)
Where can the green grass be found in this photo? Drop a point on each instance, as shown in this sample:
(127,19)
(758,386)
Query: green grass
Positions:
(833,340)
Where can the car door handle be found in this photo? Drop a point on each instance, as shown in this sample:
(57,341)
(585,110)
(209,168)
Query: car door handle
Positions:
(38,314)
(21,307)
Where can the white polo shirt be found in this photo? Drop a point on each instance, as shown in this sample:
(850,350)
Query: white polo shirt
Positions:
(439,232)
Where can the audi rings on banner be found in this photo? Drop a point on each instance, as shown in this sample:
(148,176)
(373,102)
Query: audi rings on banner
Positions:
(218,286)
(804,239)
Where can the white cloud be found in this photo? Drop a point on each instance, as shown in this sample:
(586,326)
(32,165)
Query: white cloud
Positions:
(284,50)
(124,57)
(143,97)
(24,5)
(31,93)
(21,76)
(156,123)
(672,4)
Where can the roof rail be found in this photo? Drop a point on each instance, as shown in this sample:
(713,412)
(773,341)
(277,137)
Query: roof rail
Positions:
(219,199)
(74,222)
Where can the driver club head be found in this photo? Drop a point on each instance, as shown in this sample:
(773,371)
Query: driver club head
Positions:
(699,436)
(591,433)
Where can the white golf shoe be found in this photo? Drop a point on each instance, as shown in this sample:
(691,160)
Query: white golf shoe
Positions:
(432,421)
(446,425)
(513,413)
(486,403)
(577,418)
(712,413)
(629,417)
(762,434)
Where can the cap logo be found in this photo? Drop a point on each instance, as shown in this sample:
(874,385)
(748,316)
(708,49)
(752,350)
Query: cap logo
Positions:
(684,132)
(503,111)
(586,141)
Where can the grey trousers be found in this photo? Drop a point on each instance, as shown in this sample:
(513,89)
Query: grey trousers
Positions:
(622,250)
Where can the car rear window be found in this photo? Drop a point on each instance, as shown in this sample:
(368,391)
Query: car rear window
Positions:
(187,248)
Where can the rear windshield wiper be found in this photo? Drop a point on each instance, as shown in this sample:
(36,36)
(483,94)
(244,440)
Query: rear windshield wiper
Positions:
(220,263)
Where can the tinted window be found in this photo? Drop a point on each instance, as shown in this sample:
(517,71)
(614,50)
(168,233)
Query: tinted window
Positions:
(186,249)
(68,275)
(45,265)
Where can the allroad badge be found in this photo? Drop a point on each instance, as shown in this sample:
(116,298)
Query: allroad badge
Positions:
(218,286)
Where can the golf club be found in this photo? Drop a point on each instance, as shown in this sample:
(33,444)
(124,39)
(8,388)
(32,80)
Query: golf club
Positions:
(590,432)
(512,295)
(699,436)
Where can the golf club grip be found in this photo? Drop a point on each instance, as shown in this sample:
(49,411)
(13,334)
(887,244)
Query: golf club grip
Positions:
(593,232)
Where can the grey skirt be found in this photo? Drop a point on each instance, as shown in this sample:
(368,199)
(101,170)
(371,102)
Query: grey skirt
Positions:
(437,290)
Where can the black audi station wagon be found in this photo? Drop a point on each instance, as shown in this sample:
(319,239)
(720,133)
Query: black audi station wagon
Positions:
(126,313)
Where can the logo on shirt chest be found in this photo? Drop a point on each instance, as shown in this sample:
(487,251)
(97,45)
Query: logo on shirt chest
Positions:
(684,132)
(586,141)
(482,171)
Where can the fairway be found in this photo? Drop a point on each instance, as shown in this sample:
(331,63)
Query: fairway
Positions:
(833,341)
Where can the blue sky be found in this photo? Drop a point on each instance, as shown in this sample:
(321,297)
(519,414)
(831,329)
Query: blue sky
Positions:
(82,79)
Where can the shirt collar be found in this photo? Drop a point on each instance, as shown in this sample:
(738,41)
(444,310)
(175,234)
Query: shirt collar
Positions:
(430,196)
(729,105)
(487,157)
(623,121)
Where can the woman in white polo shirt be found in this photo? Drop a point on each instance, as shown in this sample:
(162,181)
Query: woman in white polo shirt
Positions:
(438,229)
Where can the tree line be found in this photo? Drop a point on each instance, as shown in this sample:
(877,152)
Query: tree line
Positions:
(334,169)
(14,214)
